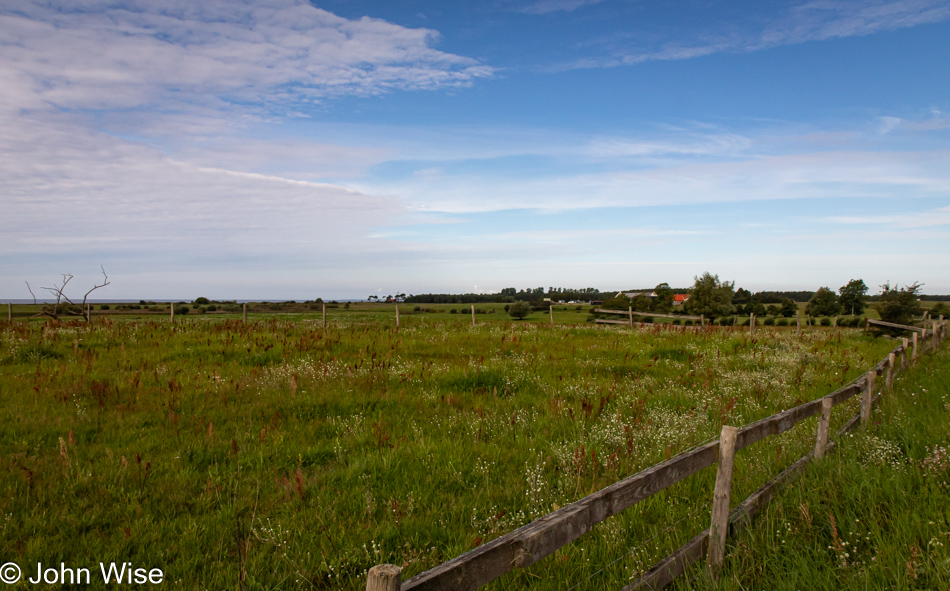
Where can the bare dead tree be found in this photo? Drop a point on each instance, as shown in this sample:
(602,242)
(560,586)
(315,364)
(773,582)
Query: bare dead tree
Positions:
(31,291)
(53,311)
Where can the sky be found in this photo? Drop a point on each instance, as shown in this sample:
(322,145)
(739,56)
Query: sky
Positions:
(285,149)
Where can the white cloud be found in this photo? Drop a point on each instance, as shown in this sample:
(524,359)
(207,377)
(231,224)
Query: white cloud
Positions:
(99,55)
(69,192)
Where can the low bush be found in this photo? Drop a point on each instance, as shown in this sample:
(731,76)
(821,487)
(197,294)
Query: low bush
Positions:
(769,321)
(826,321)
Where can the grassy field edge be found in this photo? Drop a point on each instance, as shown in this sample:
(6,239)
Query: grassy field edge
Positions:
(875,514)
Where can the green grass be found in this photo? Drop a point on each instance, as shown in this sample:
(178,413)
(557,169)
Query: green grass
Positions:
(279,455)
(875,514)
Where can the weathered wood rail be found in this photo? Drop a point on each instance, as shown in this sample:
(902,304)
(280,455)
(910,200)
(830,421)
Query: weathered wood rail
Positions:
(540,538)
(630,313)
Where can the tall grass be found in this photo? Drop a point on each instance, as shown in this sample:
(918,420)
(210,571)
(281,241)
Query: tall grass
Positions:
(279,455)
(875,514)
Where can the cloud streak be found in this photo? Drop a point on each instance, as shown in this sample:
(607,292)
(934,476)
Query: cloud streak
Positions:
(817,20)
(549,6)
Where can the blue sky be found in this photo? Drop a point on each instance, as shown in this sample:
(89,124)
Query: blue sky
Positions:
(280,149)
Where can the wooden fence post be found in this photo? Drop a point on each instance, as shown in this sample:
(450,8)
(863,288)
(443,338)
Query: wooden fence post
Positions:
(798,322)
(244,312)
(10,311)
(935,339)
(473,314)
(719,526)
(171,307)
(397,315)
(752,325)
(906,344)
(913,355)
(866,397)
(891,369)
(834,323)
(702,320)
(551,310)
(821,442)
(384,577)
(630,315)
(324,315)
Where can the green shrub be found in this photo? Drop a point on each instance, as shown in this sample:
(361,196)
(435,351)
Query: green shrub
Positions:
(688,323)
(417,308)
(826,321)
(181,309)
(676,322)
(647,319)
(769,321)
(781,322)
(453,311)
(104,307)
(519,310)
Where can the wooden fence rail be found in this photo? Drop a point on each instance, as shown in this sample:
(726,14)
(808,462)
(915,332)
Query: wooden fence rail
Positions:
(532,542)
(893,325)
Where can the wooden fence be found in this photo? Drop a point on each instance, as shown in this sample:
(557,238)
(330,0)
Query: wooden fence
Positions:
(532,542)
(630,313)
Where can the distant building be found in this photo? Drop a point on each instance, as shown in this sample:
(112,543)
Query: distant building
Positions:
(680,298)
(635,294)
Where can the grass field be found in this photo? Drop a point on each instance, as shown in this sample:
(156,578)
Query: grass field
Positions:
(875,514)
(277,454)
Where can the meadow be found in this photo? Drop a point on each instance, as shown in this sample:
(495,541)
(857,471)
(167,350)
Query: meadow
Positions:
(279,454)
(875,514)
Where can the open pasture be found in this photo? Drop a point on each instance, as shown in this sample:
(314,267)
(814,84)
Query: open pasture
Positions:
(277,454)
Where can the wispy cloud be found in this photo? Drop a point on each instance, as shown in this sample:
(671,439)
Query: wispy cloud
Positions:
(549,6)
(811,21)
(816,175)
(922,219)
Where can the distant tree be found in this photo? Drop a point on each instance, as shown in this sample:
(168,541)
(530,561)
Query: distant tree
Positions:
(900,306)
(710,296)
(519,309)
(853,297)
(663,302)
(643,303)
(742,297)
(788,308)
(941,309)
(202,301)
(63,304)
(620,302)
(823,303)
